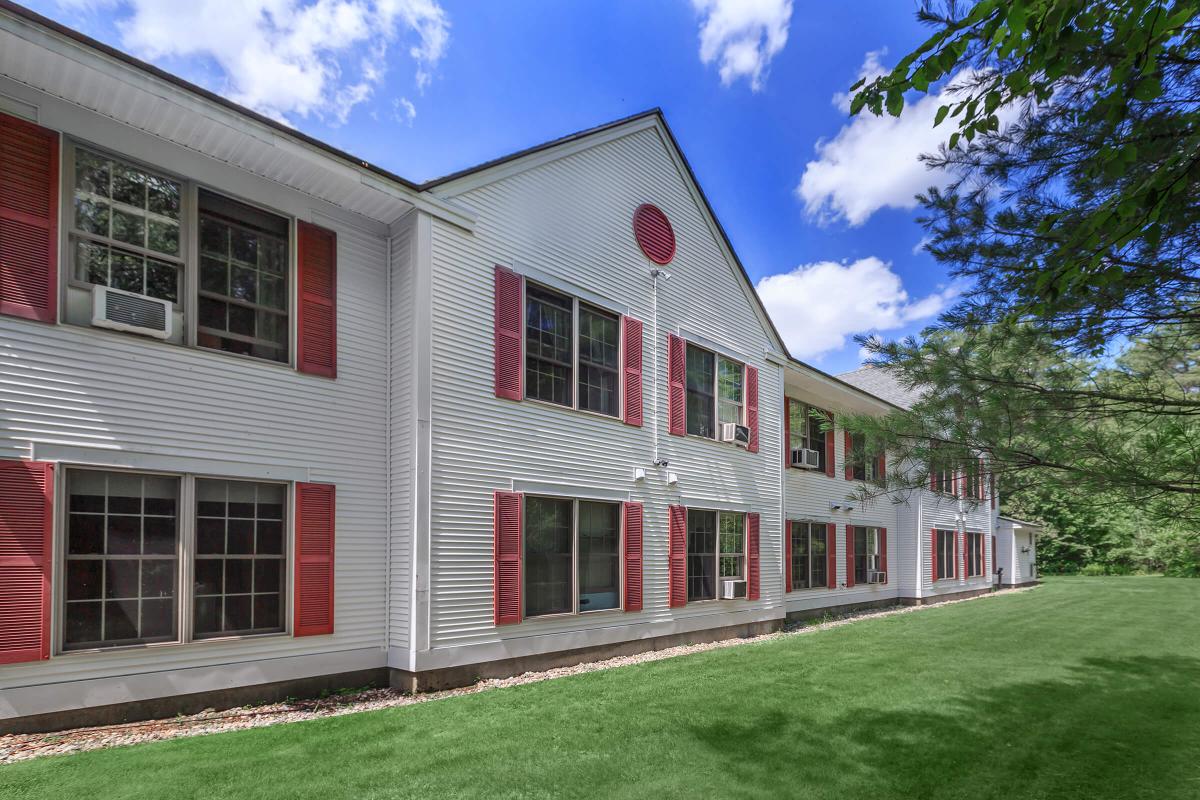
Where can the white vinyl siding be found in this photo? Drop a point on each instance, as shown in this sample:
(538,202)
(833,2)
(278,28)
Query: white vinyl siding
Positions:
(481,444)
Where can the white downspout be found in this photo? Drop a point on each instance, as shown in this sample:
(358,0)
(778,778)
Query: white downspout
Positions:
(655,274)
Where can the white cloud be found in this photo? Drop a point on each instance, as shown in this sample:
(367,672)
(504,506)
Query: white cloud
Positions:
(920,246)
(287,57)
(403,111)
(818,307)
(873,162)
(743,35)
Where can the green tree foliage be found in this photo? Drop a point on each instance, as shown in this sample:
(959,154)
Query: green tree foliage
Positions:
(1072,220)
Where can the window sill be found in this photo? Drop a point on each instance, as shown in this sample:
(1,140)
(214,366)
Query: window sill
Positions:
(126,648)
(713,440)
(574,615)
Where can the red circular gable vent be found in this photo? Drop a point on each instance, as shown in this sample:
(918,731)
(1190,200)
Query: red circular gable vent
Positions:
(654,234)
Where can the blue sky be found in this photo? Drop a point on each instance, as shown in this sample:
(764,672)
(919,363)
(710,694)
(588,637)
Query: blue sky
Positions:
(817,205)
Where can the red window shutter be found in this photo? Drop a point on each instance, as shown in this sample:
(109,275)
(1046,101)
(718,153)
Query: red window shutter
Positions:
(676,391)
(830,458)
(507,301)
(633,556)
(831,554)
(753,570)
(957,566)
(316,322)
(979,491)
(883,555)
(933,554)
(787,434)
(315,515)
(882,468)
(677,556)
(26,540)
(631,338)
(28,220)
(992,479)
(752,406)
(506,553)
(787,556)
(849,556)
(848,463)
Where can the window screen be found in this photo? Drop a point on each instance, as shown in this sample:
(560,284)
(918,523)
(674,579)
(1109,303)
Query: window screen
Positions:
(240,557)
(244,257)
(122,557)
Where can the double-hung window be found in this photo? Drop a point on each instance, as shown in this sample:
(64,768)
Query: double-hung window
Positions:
(715,392)
(945,554)
(716,548)
(126,227)
(974,554)
(140,568)
(572,352)
(867,548)
(243,279)
(866,466)
(805,429)
(809,555)
(572,558)
(943,475)
(137,229)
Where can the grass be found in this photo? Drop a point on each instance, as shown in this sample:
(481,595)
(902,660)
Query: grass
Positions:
(1083,688)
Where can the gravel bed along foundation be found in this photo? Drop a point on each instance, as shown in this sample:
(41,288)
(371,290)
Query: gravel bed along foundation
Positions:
(18,747)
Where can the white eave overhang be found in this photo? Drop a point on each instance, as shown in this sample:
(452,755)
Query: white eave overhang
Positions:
(61,66)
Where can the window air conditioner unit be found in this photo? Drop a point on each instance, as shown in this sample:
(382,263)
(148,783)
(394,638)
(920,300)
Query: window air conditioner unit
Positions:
(805,459)
(733,589)
(876,576)
(129,312)
(738,434)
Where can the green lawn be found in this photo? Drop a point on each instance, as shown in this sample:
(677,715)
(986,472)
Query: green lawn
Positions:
(1083,688)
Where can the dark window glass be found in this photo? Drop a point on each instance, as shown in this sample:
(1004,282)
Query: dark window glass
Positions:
(805,429)
(122,559)
(237,580)
(548,526)
(945,554)
(599,556)
(808,555)
(243,279)
(701,408)
(123,217)
(548,339)
(866,553)
(599,351)
(701,554)
(974,554)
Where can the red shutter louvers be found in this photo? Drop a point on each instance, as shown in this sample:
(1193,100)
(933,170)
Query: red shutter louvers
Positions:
(314,573)
(507,557)
(677,556)
(787,556)
(26,515)
(633,556)
(830,452)
(28,220)
(831,554)
(676,389)
(507,300)
(631,337)
(753,567)
(752,406)
(316,320)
